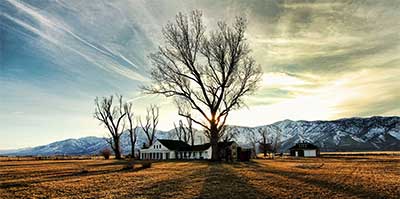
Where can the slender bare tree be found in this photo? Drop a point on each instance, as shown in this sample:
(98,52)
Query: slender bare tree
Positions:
(190,130)
(112,117)
(184,132)
(252,138)
(132,130)
(150,125)
(178,132)
(270,139)
(264,145)
(230,133)
(276,139)
(209,72)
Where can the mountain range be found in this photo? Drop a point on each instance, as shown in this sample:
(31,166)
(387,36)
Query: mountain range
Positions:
(351,134)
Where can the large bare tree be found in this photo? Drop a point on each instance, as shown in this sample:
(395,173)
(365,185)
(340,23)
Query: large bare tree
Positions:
(112,117)
(132,130)
(210,72)
(149,126)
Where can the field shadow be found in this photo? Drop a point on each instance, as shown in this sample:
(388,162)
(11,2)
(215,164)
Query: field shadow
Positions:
(313,180)
(215,180)
(170,184)
(38,163)
(69,175)
(223,182)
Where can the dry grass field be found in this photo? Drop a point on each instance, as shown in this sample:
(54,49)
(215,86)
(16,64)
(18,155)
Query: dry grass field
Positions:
(347,177)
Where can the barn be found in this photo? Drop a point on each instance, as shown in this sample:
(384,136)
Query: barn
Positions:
(304,150)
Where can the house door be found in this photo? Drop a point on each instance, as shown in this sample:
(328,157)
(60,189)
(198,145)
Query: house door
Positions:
(167,156)
(296,153)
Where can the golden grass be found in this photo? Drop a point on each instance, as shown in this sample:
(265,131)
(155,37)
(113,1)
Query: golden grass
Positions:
(366,177)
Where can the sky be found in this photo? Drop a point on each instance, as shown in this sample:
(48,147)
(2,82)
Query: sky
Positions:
(321,60)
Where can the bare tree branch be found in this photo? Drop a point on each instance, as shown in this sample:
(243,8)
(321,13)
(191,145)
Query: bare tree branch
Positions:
(210,72)
(111,117)
(132,130)
(150,125)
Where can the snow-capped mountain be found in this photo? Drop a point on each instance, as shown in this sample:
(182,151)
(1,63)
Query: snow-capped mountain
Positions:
(352,134)
(83,146)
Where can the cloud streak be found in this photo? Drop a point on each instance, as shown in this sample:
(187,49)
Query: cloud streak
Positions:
(321,59)
(61,35)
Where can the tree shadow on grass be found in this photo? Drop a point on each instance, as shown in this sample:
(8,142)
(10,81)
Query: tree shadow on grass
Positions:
(66,175)
(177,183)
(223,182)
(353,190)
(216,180)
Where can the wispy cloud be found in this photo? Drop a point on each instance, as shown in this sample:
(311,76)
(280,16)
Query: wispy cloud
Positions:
(321,59)
(60,34)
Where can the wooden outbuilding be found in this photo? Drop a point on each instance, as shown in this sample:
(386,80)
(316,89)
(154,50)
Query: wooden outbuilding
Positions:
(304,150)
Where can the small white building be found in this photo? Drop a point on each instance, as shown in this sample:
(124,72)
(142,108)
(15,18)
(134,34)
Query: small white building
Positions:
(175,149)
(304,150)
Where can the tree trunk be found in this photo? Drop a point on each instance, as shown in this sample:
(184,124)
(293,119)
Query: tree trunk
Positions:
(265,146)
(117,149)
(214,142)
(132,145)
(254,151)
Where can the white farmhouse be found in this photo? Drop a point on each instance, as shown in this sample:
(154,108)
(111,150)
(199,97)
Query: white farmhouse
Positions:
(164,149)
(175,149)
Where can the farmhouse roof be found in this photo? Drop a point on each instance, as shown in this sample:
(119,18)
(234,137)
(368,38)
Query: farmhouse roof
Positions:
(300,146)
(175,145)
(201,147)
(178,145)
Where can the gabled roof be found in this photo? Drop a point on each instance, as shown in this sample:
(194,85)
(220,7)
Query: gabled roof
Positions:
(300,146)
(175,145)
(201,147)
(178,145)
(206,146)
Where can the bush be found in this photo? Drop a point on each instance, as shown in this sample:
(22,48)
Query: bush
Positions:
(146,165)
(129,166)
(105,153)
